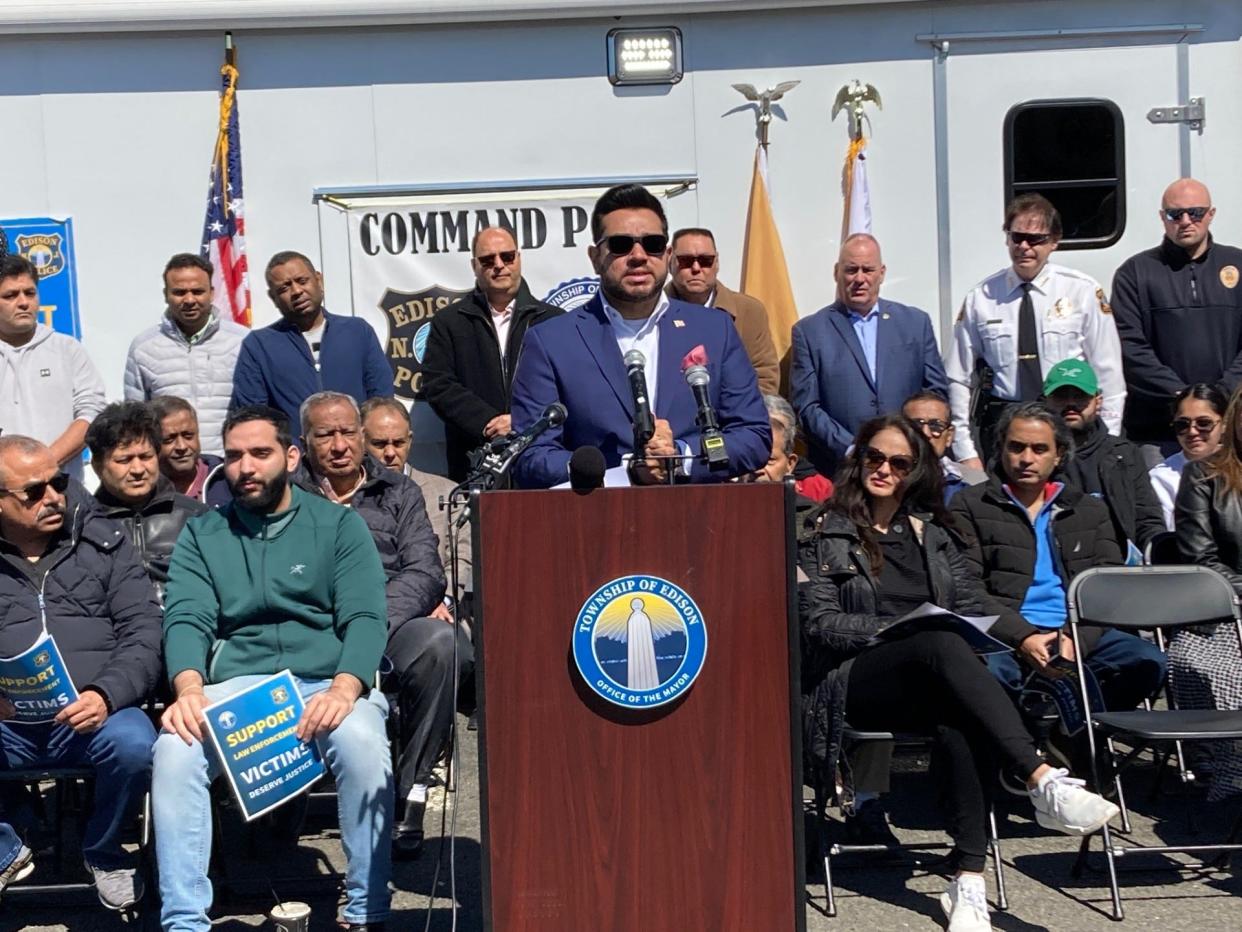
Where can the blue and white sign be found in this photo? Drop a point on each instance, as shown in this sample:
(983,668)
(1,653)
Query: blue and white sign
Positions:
(640,642)
(254,733)
(48,243)
(37,682)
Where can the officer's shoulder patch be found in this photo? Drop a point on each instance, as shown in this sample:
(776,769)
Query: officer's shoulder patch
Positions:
(1105,307)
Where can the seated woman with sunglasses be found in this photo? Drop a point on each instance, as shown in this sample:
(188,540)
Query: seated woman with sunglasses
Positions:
(879,548)
(1206,668)
(1197,417)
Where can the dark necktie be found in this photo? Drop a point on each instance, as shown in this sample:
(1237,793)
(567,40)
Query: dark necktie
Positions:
(1030,378)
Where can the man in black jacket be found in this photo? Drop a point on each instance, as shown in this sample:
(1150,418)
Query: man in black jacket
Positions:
(1104,466)
(420,627)
(1028,536)
(69,573)
(472,348)
(1179,315)
(124,441)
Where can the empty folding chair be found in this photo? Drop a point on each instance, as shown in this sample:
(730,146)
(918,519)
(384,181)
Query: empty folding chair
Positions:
(1161,598)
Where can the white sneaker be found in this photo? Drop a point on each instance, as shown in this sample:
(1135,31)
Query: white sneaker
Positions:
(1062,804)
(965,904)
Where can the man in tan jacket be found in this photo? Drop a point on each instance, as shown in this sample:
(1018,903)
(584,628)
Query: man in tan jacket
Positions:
(695,266)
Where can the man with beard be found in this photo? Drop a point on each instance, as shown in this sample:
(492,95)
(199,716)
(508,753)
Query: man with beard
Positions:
(420,626)
(308,350)
(124,443)
(577,359)
(68,573)
(278,579)
(1104,466)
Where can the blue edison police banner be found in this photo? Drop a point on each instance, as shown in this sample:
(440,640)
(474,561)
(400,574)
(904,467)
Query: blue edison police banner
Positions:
(253,732)
(48,243)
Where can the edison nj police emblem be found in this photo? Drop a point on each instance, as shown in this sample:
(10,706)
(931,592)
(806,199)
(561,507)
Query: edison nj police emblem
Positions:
(44,253)
(280,695)
(42,659)
(227,720)
(409,315)
(639,642)
(573,293)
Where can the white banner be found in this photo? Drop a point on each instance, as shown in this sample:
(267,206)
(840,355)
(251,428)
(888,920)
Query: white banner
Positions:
(411,258)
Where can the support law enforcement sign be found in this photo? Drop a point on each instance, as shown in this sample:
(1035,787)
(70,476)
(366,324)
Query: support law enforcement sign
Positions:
(254,733)
(48,244)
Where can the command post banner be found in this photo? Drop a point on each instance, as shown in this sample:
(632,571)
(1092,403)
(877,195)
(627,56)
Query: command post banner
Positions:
(48,243)
(410,259)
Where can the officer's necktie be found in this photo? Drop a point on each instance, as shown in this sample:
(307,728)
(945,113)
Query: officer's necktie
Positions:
(1030,378)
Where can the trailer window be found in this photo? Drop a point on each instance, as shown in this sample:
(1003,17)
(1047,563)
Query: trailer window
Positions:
(1073,153)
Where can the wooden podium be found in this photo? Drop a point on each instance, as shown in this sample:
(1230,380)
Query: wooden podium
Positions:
(599,816)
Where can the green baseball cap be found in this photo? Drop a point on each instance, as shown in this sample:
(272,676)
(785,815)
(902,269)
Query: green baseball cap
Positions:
(1074,373)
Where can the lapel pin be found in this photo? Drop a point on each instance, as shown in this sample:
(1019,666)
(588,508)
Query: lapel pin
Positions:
(679,323)
(883,317)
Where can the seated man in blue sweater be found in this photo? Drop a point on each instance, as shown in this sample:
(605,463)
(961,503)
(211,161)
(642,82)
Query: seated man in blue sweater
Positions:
(308,350)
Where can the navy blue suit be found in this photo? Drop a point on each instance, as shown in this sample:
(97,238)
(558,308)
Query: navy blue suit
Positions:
(832,387)
(574,359)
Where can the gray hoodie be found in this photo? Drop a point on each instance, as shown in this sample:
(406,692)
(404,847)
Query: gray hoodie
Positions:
(46,385)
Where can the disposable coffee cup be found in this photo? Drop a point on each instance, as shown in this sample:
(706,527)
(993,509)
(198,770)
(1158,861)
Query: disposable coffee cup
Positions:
(291,916)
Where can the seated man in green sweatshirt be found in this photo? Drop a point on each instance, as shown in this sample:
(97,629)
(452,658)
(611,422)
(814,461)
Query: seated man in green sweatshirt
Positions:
(278,579)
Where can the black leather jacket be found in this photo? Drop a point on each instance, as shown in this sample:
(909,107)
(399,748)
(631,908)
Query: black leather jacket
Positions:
(152,529)
(1209,524)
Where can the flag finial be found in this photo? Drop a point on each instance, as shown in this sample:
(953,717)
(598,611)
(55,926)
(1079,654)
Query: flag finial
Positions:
(851,99)
(763,101)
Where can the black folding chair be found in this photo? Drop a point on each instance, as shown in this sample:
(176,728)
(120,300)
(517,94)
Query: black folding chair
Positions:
(1161,598)
(830,850)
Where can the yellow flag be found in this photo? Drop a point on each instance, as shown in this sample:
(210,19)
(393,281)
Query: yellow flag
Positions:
(764,275)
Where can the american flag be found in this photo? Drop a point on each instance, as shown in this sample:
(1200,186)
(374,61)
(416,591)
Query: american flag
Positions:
(224,230)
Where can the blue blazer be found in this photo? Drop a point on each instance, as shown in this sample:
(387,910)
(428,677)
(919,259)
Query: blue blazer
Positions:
(832,387)
(275,366)
(574,359)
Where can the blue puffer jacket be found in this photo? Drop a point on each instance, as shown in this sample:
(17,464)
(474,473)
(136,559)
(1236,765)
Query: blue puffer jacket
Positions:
(275,366)
(99,603)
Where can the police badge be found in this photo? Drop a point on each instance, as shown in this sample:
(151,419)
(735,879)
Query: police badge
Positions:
(409,315)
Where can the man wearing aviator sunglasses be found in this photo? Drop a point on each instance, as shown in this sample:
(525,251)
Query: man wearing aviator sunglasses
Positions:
(693,279)
(472,348)
(1015,324)
(577,360)
(1179,313)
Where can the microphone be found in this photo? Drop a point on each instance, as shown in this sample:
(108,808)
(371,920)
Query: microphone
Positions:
(711,439)
(496,463)
(644,420)
(586,469)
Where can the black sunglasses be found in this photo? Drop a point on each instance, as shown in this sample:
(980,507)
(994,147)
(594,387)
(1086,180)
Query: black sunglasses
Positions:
(34,492)
(506,257)
(687,262)
(934,424)
(1173,214)
(1034,239)
(899,464)
(622,244)
(1204,425)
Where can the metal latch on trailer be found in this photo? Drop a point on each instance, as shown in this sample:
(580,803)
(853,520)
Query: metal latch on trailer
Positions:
(1194,114)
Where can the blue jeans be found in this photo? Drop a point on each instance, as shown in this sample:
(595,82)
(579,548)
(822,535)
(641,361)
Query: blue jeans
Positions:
(357,754)
(10,845)
(1128,669)
(119,752)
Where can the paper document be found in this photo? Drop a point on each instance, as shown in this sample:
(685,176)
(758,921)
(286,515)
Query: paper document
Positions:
(37,682)
(929,617)
(253,732)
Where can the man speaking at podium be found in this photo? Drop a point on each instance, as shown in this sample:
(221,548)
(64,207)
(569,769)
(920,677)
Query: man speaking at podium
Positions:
(625,402)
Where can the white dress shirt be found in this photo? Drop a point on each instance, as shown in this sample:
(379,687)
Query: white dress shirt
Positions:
(501,321)
(1072,321)
(642,335)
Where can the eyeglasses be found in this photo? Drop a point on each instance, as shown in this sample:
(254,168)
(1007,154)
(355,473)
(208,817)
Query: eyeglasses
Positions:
(687,262)
(1204,425)
(33,493)
(1173,214)
(1017,238)
(506,257)
(934,425)
(622,244)
(873,459)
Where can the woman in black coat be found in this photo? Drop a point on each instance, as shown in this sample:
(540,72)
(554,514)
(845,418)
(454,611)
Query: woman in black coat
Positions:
(881,547)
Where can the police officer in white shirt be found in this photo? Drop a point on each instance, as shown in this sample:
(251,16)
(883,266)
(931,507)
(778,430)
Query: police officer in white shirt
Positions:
(1018,323)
